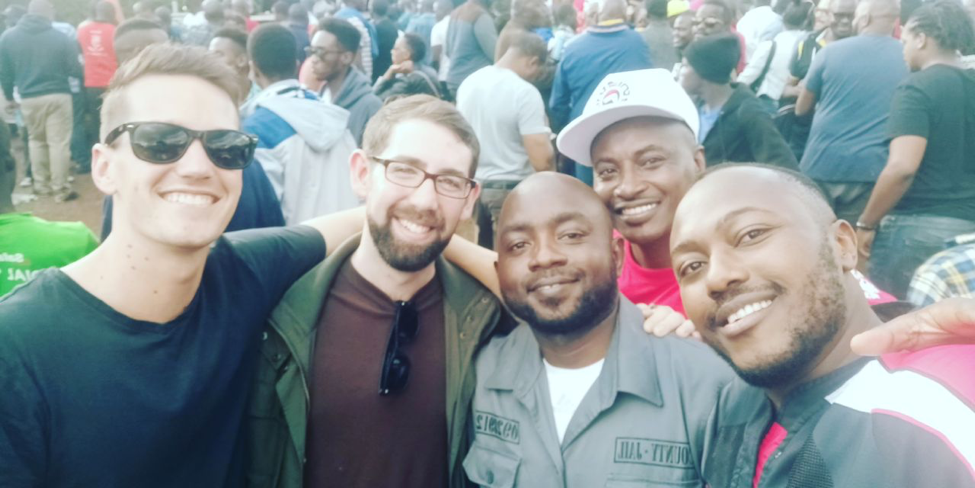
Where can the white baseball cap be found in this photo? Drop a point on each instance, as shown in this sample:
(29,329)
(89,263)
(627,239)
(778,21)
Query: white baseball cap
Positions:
(621,96)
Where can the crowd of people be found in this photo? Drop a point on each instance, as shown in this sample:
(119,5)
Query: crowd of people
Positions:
(510,243)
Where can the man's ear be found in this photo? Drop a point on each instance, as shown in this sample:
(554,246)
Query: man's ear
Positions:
(348,59)
(619,254)
(699,162)
(359,169)
(845,240)
(103,172)
(471,201)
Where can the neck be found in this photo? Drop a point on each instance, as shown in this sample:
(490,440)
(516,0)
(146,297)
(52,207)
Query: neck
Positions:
(878,29)
(245,86)
(654,254)
(507,62)
(950,59)
(397,285)
(579,351)
(714,95)
(335,82)
(859,318)
(139,279)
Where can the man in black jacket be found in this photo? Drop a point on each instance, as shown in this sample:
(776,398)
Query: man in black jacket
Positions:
(37,60)
(734,127)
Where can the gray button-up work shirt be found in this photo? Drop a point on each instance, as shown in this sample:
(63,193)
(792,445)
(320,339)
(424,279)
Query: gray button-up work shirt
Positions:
(641,423)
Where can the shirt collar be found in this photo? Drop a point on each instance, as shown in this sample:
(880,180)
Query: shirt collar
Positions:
(630,363)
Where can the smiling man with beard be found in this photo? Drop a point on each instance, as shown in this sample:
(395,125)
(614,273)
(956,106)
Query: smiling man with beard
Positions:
(579,396)
(766,276)
(367,368)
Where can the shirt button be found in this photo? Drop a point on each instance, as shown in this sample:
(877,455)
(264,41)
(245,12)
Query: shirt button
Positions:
(277,357)
(286,367)
(304,460)
(463,335)
(264,336)
(778,454)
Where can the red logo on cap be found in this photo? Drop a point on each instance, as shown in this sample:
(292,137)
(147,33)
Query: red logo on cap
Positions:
(613,92)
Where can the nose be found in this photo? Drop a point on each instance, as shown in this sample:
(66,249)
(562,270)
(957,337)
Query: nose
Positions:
(546,255)
(195,163)
(630,185)
(724,273)
(424,197)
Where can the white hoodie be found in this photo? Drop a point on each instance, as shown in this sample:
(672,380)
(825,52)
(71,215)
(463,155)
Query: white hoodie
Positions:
(304,148)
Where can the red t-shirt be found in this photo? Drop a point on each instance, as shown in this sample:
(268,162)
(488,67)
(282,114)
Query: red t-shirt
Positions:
(98,51)
(648,285)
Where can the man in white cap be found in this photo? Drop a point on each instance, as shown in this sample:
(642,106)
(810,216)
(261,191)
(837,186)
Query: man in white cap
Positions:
(639,132)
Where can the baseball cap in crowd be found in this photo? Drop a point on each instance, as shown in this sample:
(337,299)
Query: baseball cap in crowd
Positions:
(621,96)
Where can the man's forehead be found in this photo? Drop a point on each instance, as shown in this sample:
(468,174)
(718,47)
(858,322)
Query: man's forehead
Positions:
(659,133)
(427,145)
(547,199)
(730,192)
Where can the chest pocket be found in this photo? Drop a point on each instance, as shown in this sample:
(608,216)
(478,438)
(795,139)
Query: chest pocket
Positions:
(489,468)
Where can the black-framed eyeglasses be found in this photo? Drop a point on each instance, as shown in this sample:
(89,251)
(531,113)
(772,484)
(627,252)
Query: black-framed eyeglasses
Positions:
(164,143)
(396,365)
(405,174)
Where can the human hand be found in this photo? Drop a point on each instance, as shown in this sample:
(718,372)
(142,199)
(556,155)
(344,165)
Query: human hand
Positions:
(864,245)
(661,320)
(950,321)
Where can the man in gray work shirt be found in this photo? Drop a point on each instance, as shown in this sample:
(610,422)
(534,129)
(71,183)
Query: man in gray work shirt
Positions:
(580,395)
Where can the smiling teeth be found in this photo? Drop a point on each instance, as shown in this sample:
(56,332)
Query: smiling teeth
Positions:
(638,210)
(414,227)
(195,199)
(748,310)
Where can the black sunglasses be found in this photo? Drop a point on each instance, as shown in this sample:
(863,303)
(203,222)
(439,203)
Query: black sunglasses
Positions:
(396,366)
(162,143)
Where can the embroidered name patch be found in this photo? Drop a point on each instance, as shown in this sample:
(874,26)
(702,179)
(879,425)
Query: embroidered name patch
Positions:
(653,452)
(505,429)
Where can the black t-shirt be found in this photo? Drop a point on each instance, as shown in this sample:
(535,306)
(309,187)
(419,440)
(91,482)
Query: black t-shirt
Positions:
(92,398)
(938,104)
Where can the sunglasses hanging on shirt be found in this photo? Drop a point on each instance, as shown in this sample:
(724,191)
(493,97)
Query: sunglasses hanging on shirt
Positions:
(396,365)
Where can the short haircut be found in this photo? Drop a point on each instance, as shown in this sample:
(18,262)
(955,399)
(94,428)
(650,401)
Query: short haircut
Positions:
(297,14)
(797,14)
(273,49)
(380,8)
(657,9)
(566,15)
(133,25)
(529,45)
(236,35)
(418,47)
(166,59)
(280,9)
(727,15)
(809,189)
(418,107)
(346,33)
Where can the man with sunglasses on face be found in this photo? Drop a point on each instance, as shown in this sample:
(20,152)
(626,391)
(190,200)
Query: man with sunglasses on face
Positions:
(366,375)
(131,367)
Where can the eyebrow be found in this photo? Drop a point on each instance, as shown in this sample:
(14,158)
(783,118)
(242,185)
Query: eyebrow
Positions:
(412,161)
(639,152)
(687,246)
(557,220)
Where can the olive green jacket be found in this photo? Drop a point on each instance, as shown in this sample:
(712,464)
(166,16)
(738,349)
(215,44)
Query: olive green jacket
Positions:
(277,416)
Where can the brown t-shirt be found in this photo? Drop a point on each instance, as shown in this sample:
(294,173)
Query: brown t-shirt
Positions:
(357,438)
